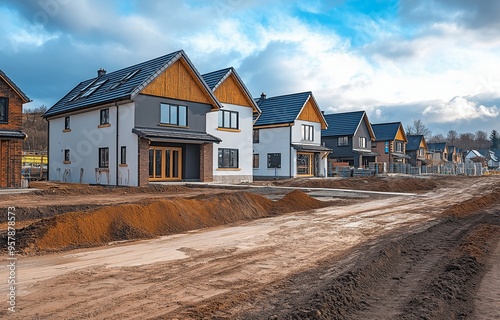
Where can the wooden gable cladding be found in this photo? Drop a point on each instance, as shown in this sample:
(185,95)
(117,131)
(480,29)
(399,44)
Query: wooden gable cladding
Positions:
(178,82)
(310,112)
(400,135)
(230,91)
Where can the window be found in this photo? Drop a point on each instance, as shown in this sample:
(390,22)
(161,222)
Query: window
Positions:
(362,142)
(4,109)
(125,78)
(399,146)
(228,119)
(256,136)
(66,155)
(421,152)
(173,114)
(228,158)
(92,88)
(104,116)
(103,157)
(67,125)
(343,141)
(307,132)
(255,161)
(274,160)
(123,155)
(374,144)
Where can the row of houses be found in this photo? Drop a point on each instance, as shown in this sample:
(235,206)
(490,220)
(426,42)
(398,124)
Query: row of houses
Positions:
(161,120)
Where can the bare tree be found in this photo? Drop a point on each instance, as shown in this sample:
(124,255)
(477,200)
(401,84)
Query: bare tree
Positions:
(482,141)
(452,137)
(437,138)
(36,129)
(418,128)
(466,141)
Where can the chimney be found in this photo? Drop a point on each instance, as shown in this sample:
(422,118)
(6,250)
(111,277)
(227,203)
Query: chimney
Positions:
(262,96)
(101,72)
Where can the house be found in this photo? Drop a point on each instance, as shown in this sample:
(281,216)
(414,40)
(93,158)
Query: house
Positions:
(233,124)
(454,155)
(439,153)
(350,136)
(417,150)
(287,137)
(390,142)
(142,123)
(491,157)
(11,135)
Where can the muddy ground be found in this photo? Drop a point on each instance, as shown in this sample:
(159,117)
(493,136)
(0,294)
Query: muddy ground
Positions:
(431,255)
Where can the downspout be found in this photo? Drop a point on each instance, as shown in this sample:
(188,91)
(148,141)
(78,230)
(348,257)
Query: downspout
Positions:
(117,146)
(291,176)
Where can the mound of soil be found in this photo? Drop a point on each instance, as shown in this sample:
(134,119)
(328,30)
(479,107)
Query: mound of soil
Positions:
(134,221)
(385,184)
(51,188)
(472,205)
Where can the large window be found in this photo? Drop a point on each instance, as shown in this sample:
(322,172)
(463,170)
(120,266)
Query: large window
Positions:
(256,161)
(362,142)
(255,135)
(307,132)
(343,141)
(228,119)
(173,114)
(103,157)
(4,109)
(104,116)
(228,158)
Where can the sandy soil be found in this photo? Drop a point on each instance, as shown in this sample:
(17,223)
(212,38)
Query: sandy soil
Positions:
(433,254)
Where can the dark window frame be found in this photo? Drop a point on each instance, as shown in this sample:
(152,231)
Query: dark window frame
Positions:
(256,135)
(4,104)
(123,155)
(307,132)
(104,116)
(363,142)
(226,158)
(173,109)
(343,141)
(104,157)
(67,155)
(222,119)
(67,123)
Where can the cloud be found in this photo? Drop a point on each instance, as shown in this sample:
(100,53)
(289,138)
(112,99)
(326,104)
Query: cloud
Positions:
(459,108)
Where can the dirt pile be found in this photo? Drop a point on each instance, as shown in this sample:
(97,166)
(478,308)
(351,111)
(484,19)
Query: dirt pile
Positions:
(51,188)
(472,205)
(135,221)
(385,184)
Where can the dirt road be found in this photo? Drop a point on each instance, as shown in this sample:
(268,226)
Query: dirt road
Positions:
(386,258)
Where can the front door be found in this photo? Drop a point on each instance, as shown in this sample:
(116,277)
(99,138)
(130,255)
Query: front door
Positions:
(165,164)
(305,164)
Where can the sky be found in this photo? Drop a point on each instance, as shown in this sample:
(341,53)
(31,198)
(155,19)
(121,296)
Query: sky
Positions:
(399,60)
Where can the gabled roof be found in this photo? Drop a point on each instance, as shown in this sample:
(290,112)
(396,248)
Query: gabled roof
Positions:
(414,142)
(215,78)
(474,153)
(437,146)
(285,109)
(346,124)
(387,131)
(14,87)
(123,84)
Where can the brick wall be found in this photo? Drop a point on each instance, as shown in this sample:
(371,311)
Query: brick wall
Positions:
(206,162)
(143,169)
(380,149)
(15,107)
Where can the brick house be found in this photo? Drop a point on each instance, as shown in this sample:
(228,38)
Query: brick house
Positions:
(11,134)
(390,142)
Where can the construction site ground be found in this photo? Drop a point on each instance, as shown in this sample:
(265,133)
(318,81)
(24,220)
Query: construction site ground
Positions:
(336,248)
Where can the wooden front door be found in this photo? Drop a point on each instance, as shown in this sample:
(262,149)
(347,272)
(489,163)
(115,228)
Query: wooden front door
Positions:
(165,164)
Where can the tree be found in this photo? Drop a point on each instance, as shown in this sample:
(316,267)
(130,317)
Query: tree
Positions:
(452,137)
(466,141)
(437,138)
(36,128)
(495,140)
(418,128)
(482,141)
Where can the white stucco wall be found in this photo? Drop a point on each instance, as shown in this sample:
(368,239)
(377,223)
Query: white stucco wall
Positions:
(241,140)
(273,140)
(84,141)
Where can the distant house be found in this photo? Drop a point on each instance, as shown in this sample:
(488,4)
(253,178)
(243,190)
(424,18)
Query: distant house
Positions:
(233,158)
(390,142)
(454,154)
(439,153)
(287,137)
(350,136)
(142,123)
(417,150)
(492,158)
(11,135)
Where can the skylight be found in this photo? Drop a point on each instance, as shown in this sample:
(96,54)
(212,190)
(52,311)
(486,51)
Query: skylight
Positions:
(127,77)
(93,88)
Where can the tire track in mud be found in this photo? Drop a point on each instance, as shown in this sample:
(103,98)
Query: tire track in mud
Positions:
(427,275)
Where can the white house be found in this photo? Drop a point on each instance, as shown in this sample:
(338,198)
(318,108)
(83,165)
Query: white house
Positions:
(287,137)
(147,122)
(233,124)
